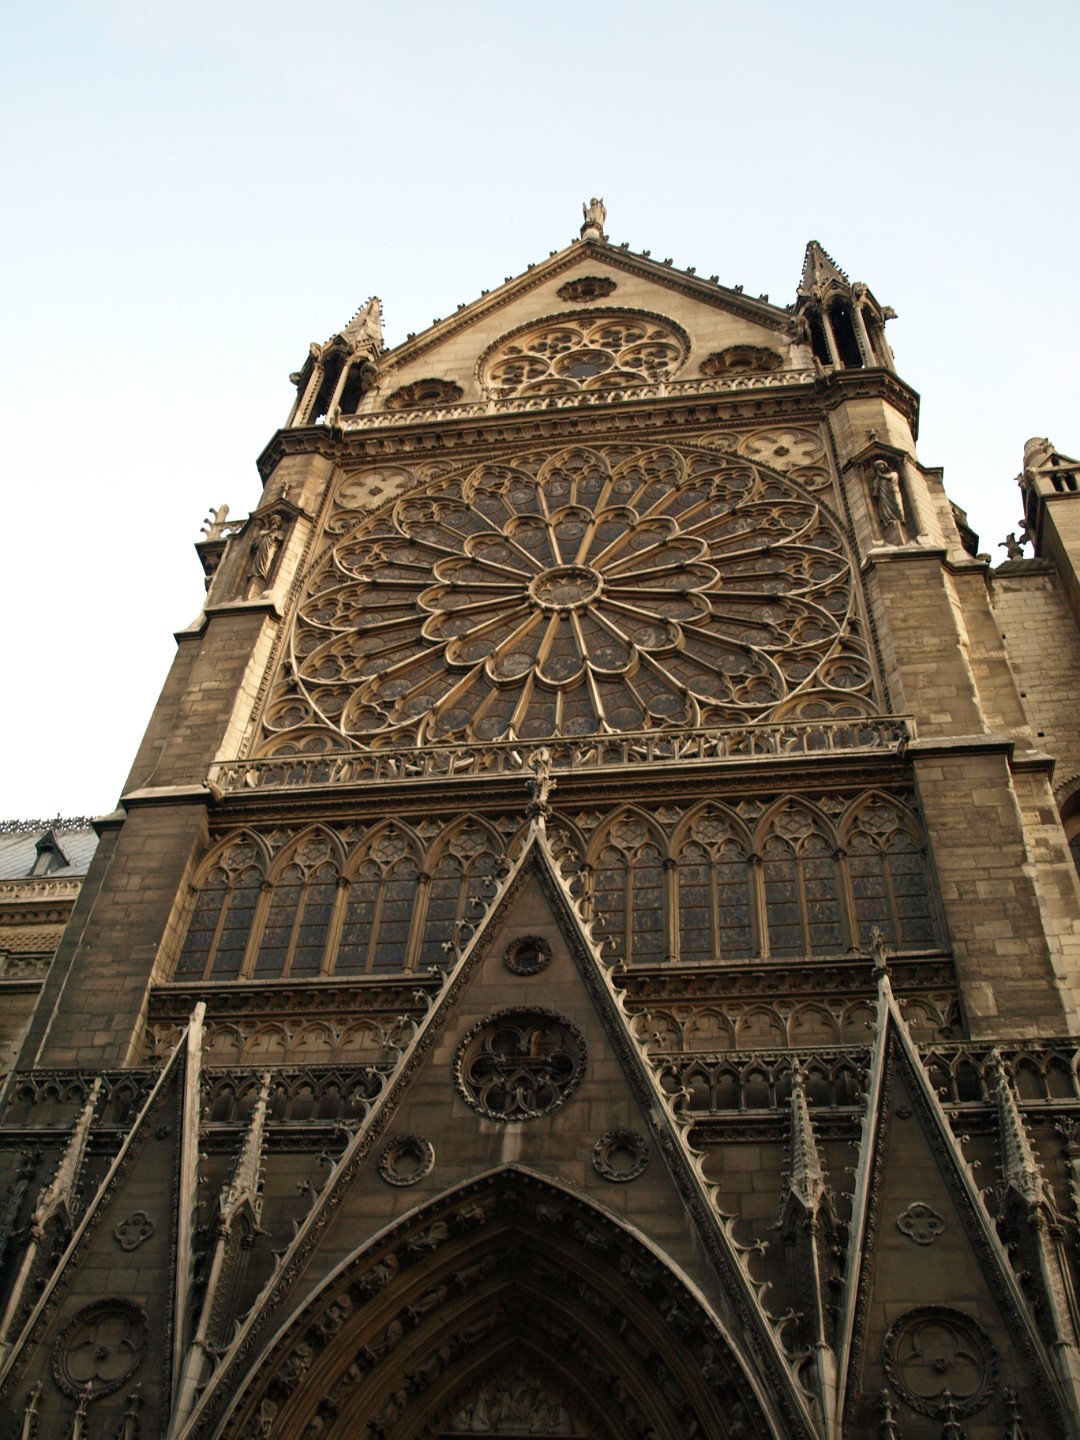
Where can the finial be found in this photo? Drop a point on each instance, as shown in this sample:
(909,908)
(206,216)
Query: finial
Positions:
(595,213)
(1014,548)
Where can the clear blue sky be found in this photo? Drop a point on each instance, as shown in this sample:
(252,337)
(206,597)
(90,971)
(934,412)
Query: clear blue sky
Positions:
(194,191)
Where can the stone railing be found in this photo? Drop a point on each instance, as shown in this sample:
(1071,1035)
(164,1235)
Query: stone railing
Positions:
(737,743)
(523,404)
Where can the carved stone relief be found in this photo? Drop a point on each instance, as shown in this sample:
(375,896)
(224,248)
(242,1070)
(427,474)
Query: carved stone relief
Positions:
(936,1353)
(406,1160)
(133,1230)
(519,1064)
(620,1155)
(100,1348)
(517,1404)
(422,393)
(589,287)
(528,956)
(920,1223)
(739,359)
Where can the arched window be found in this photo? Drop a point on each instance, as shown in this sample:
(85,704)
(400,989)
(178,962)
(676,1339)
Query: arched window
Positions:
(889,881)
(804,915)
(298,921)
(379,910)
(221,922)
(464,874)
(714,892)
(628,893)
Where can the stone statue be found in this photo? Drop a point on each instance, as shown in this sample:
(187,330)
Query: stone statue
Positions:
(1014,549)
(595,213)
(266,545)
(799,330)
(885,493)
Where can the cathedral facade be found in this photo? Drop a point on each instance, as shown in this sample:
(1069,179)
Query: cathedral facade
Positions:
(590,943)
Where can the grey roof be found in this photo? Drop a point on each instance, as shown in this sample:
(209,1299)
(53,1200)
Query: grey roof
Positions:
(19,841)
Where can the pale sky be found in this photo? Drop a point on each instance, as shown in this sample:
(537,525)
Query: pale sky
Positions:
(196,190)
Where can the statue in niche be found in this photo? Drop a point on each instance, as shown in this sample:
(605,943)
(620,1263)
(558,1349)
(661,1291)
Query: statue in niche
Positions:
(885,493)
(265,547)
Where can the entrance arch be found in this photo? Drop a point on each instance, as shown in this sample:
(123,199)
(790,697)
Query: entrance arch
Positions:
(508,1307)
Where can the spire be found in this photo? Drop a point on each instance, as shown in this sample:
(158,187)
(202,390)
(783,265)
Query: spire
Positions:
(245,1187)
(807,1182)
(365,330)
(1020,1169)
(820,271)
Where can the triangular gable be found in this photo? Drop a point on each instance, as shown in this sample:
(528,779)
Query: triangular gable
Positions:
(123,1280)
(926,1271)
(713,315)
(438,1123)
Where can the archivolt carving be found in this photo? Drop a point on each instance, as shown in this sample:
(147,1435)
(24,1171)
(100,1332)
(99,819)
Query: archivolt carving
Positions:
(487,1280)
(582,593)
(601,350)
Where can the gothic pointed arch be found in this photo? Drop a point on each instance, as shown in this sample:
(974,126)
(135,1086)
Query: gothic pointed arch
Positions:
(885,856)
(630,906)
(296,925)
(381,885)
(711,850)
(801,881)
(226,894)
(510,1275)
(462,867)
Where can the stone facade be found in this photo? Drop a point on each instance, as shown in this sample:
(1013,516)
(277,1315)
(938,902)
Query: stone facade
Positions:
(594,889)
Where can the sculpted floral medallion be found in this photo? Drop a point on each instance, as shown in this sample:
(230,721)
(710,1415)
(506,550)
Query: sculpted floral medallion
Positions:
(586,592)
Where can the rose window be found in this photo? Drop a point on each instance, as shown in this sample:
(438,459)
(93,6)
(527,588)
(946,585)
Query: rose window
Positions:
(589,592)
(595,351)
(520,1064)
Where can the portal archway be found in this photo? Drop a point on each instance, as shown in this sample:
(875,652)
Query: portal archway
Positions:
(507,1307)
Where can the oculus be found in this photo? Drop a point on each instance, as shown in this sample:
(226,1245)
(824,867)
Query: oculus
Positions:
(603,350)
(528,956)
(936,1354)
(620,1155)
(585,592)
(406,1160)
(520,1064)
(100,1348)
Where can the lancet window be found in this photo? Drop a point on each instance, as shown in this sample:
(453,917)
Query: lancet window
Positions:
(800,882)
(385,908)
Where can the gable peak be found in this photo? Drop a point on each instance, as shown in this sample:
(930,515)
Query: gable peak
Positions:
(820,270)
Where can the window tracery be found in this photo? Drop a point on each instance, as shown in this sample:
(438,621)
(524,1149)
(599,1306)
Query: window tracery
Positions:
(582,593)
(310,914)
(603,350)
(799,880)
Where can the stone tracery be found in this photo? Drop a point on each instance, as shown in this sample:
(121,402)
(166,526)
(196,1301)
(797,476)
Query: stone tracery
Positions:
(599,351)
(586,592)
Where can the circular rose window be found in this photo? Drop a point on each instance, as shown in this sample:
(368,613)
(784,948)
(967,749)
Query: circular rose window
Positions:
(520,1064)
(581,593)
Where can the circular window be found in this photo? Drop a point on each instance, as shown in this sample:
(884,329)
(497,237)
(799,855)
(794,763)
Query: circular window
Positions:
(100,1347)
(620,1155)
(520,1064)
(528,956)
(936,1351)
(406,1160)
(580,593)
